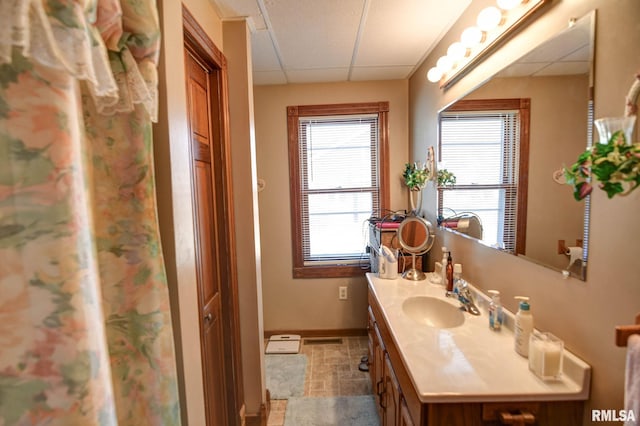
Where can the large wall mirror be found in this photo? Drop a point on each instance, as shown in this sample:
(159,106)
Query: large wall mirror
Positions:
(507,142)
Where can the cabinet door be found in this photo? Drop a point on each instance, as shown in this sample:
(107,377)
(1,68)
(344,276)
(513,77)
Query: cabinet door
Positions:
(377,370)
(405,417)
(371,346)
(391,395)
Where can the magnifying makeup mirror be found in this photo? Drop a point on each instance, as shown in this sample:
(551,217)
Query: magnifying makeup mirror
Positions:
(416,236)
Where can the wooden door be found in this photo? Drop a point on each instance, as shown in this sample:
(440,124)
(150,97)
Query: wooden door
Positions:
(208,260)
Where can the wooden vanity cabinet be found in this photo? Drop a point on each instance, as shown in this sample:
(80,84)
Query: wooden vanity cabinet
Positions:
(391,396)
(399,404)
(383,379)
(405,417)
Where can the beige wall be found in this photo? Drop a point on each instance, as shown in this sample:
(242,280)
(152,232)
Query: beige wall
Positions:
(557,136)
(312,304)
(584,314)
(171,149)
(174,198)
(238,52)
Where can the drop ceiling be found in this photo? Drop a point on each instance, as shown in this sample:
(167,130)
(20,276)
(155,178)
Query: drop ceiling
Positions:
(569,53)
(309,41)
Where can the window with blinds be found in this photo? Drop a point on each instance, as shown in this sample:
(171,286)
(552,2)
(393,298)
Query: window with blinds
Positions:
(483,149)
(336,168)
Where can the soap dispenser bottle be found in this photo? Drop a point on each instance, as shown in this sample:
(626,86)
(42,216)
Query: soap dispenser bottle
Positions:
(523,326)
(495,311)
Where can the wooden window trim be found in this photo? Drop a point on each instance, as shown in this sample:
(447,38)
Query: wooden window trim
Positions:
(524,107)
(293,115)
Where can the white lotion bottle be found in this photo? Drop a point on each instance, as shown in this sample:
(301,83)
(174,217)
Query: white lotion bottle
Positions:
(523,326)
(443,271)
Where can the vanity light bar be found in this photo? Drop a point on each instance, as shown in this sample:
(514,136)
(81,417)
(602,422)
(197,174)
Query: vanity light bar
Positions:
(493,25)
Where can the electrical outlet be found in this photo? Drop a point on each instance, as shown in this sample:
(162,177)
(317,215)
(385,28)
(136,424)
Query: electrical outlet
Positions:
(342,293)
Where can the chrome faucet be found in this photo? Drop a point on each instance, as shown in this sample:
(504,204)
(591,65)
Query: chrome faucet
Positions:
(465,297)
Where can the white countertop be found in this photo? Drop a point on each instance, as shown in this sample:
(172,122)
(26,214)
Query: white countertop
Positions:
(470,362)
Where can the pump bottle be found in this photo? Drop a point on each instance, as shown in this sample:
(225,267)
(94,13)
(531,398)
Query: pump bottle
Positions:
(495,311)
(443,271)
(523,327)
(449,273)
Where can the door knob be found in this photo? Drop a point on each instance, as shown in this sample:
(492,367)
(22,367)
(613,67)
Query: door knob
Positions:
(208,317)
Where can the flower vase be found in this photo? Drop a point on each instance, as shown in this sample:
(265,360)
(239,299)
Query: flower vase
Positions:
(609,125)
(416,206)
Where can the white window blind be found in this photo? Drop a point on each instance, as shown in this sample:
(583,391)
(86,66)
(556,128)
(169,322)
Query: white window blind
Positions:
(339,185)
(482,150)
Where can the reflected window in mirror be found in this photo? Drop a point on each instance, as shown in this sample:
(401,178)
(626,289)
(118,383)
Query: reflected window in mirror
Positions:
(485,143)
(557,75)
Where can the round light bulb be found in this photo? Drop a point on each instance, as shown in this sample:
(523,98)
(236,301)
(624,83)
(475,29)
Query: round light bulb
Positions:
(456,51)
(508,4)
(489,18)
(471,37)
(444,64)
(434,75)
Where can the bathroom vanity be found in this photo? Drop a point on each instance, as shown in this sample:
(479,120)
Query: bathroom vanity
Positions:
(432,364)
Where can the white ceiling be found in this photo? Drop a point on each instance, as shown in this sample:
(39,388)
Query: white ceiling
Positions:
(568,53)
(307,41)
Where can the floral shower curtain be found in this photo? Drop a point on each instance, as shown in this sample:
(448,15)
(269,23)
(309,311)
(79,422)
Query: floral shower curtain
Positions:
(85,326)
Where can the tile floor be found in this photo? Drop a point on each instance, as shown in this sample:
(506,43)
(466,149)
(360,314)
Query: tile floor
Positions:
(332,370)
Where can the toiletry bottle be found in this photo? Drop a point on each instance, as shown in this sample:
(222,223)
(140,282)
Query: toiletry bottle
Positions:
(495,311)
(523,326)
(449,273)
(457,277)
(443,270)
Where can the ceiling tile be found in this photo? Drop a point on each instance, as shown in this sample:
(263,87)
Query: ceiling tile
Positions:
(317,40)
(318,75)
(315,34)
(241,8)
(263,54)
(582,54)
(401,32)
(521,69)
(564,68)
(380,73)
(236,8)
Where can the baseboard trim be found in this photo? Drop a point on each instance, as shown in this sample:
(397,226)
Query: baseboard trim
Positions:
(345,332)
(261,418)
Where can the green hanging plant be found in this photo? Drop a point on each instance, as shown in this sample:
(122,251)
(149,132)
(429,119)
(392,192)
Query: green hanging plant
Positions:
(615,164)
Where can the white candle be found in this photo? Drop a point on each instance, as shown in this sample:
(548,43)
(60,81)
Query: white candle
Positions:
(545,355)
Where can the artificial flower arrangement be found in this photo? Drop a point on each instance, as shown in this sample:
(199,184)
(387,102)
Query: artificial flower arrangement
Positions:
(615,164)
(416,176)
(446,178)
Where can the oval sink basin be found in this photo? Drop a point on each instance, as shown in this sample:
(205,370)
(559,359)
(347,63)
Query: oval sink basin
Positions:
(432,312)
